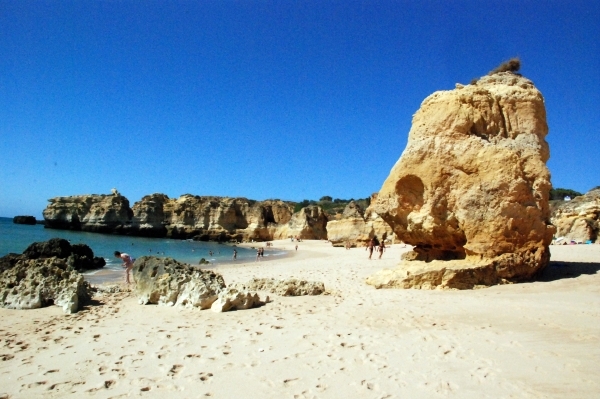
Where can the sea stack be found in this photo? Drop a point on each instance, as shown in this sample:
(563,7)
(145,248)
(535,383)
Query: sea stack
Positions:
(470,191)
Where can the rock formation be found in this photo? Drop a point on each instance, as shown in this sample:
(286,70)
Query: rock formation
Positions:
(201,218)
(356,227)
(234,299)
(164,281)
(470,191)
(31,283)
(24,220)
(578,219)
(310,223)
(79,256)
(289,287)
(209,218)
(94,213)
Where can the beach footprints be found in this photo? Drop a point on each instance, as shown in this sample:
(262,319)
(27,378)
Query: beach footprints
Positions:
(175,370)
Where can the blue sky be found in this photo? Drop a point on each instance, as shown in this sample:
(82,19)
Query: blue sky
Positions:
(266,99)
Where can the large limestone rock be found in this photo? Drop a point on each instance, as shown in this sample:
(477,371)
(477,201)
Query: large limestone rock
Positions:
(35,283)
(309,223)
(357,227)
(94,213)
(578,219)
(470,191)
(164,281)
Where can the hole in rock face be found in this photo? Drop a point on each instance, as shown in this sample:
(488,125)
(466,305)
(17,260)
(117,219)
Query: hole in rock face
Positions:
(154,271)
(410,191)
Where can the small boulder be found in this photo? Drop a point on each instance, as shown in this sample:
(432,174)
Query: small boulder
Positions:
(234,299)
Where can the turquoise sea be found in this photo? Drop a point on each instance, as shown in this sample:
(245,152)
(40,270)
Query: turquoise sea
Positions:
(16,238)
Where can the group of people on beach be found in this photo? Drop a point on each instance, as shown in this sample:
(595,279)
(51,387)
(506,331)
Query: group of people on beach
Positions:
(374,245)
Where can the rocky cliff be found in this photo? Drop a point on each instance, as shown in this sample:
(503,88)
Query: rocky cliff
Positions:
(94,213)
(578,219)
(309,223)
(356,227)
(202,218)
(470,191)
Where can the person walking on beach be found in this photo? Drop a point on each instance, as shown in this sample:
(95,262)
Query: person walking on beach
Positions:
(381,248)
(370,247)
(127,264)
(234,254)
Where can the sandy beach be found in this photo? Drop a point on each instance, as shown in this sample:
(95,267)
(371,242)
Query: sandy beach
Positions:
(530,340)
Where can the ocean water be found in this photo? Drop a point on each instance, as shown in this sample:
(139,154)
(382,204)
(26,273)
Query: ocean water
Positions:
(15,238)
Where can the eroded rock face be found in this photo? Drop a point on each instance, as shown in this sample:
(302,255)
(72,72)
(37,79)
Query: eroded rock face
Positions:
(94,213)
(189,216)
(35,283)
(309,223)
(164,281)
(209,218)
(357,227)
(470,191)
(578,219)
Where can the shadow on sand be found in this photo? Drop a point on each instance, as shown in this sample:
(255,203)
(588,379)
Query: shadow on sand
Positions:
(560,270)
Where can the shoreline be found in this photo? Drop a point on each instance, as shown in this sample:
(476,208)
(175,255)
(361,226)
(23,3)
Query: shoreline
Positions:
(111,277)
(527,340)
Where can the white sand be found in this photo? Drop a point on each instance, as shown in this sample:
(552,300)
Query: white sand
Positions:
(534,340)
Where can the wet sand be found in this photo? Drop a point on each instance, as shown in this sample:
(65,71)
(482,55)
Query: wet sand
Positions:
(532,340)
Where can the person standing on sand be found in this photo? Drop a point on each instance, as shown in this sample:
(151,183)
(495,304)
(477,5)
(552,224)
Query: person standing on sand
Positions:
(127,264)
(370,247)
(381,248)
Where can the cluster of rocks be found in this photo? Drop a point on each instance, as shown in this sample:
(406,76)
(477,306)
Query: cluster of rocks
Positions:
(46,273)
(165,281)
(470,191)
(579,219)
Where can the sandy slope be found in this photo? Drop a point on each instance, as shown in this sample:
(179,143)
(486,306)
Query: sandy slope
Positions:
(535,340)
